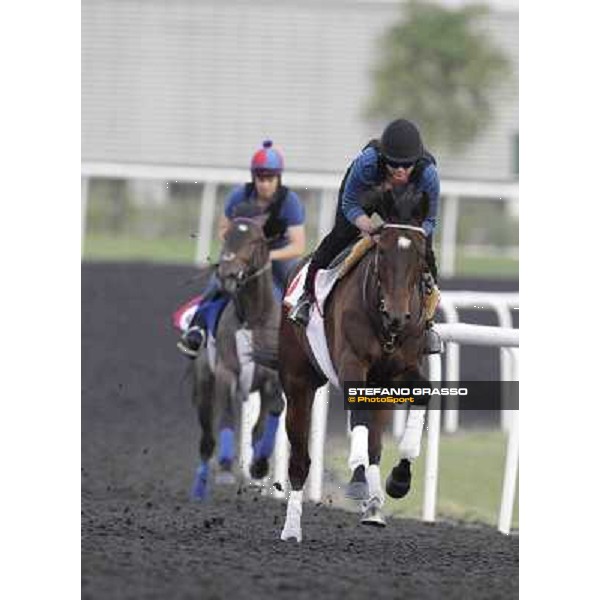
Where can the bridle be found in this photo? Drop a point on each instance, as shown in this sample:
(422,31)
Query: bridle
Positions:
(392,337)
(246,275)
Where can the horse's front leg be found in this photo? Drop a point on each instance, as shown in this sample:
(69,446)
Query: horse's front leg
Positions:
(398,482)
(264,433)
(204,396)
(373,509)
(300,393)
(225,411)
(358,459)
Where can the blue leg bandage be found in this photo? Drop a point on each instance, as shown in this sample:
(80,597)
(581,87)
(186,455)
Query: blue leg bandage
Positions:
(266,444)
(226,445)
(200,487)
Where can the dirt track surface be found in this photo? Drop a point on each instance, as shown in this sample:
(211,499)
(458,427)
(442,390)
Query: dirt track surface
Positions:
(143,538)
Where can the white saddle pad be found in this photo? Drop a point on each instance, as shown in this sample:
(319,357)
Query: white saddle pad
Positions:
(315,332)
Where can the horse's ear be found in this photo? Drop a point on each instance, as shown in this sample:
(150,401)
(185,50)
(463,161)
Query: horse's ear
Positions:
(246,210)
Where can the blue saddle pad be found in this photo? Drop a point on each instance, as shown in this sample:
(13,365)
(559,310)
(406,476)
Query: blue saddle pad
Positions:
(211,311)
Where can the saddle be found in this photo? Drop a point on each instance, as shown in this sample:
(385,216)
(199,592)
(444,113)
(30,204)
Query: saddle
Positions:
(352,255)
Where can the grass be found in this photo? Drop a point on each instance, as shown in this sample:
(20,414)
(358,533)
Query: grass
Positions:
(99,247)
(486,266)
(471,472)
(182,250)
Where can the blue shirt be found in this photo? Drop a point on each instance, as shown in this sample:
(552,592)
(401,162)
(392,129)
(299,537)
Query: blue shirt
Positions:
(292,210)
(364,176)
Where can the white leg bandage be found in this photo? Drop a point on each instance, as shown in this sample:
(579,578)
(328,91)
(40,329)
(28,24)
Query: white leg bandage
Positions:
(410,442)
(374,481)
(292,528)
(359,447)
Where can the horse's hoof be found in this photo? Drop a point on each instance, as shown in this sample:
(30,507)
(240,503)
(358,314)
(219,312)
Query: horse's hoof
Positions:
(373,515)
(291,533)
(397,484)
(200,489)
(225,478)
(357,488)
(259,468)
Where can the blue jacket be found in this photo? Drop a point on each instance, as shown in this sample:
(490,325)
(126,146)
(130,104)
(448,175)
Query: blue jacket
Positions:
(364,176)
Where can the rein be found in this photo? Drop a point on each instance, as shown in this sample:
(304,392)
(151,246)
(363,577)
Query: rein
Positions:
(266,267)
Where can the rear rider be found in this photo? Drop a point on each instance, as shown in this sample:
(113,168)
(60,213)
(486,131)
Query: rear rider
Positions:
(284,228)
(396,160)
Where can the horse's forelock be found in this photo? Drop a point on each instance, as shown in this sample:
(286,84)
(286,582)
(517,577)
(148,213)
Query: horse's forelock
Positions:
(243,229)
(406,205)
(246,233)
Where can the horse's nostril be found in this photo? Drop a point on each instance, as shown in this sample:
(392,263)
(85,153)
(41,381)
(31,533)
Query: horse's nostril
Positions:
(407,316)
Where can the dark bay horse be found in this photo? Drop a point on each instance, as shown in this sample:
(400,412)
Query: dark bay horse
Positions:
(374,325)
(222,382)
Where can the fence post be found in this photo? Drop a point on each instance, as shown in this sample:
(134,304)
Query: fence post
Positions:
(512,462)
(282,455)
(504,320)
(452,354)
(205,221)
(317,443)
(250,410)
(433,441)
(84,206)
(326,211)
(449,230)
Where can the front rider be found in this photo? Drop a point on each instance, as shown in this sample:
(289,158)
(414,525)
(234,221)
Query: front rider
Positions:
(284,228)
(396,160)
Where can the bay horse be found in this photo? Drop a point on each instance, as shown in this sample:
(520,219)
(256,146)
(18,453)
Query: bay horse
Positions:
(374,327)
(244,270)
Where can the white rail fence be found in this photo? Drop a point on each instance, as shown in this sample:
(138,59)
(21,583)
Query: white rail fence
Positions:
(501,304)
(479,335)
(458,333)
(325,184)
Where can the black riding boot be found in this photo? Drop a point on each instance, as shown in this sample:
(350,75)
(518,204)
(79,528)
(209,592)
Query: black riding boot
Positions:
(338,238)
(433,342)
(195,336)
(300,314)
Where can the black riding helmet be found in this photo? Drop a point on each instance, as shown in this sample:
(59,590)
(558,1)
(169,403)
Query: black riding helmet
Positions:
(401,142)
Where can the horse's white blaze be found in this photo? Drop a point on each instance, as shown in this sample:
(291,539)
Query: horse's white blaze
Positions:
(403,243)
(374,482)
(410,442)
(359,447)
(292,528)
(228,256)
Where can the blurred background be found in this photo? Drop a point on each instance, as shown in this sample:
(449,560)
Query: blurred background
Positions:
(177,96)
